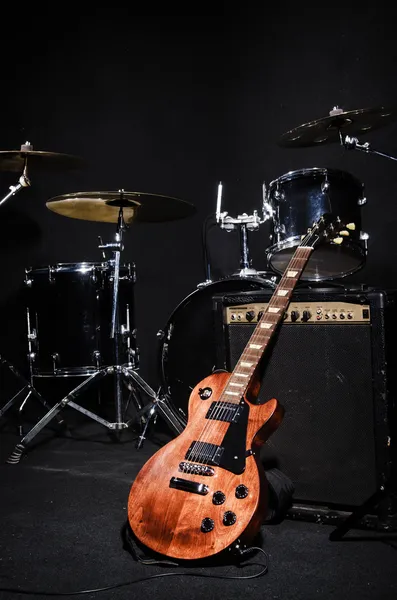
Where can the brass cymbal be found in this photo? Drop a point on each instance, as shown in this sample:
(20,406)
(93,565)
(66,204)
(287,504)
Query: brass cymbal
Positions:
(15,160)
(104,206)
(339,122)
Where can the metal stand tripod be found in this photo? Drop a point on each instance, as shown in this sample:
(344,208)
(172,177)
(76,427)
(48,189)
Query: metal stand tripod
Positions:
(124,374)
(27,389)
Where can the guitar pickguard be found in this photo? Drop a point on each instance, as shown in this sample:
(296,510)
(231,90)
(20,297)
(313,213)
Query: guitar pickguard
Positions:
(234,443)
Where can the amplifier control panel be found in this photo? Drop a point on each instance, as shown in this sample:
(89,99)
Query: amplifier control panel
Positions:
(303,312)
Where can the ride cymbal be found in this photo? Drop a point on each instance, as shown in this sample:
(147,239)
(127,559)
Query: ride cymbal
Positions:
(339,122)
(15,161)
(104,206)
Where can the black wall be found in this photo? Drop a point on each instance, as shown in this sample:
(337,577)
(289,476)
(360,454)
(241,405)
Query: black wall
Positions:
(172,104)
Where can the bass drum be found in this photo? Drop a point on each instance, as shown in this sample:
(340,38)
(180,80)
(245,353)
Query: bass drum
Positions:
(188,345)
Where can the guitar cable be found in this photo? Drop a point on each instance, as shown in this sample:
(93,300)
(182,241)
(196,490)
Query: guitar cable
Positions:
(263,571)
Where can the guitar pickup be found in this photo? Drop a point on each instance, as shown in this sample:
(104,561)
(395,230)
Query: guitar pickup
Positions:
(189,486)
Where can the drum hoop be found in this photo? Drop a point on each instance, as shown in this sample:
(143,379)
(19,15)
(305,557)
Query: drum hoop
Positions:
(195,292)
(75,267)
(289,243)
(292,175)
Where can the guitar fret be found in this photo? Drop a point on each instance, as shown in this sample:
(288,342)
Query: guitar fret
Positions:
(266,326)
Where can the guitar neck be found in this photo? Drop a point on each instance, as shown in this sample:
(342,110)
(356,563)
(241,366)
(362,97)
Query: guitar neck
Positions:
(266,327)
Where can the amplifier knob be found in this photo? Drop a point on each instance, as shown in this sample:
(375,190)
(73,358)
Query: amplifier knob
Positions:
(294,315)
(306,315)
(250,315)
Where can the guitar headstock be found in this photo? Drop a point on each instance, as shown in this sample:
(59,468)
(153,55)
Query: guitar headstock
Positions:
(328,228)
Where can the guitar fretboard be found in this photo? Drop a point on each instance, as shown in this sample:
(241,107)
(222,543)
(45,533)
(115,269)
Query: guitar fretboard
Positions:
(265,328)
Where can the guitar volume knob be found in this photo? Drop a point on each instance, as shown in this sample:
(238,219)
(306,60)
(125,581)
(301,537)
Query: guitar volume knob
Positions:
(229,518)
(207,525)
(241,491)
(218,498)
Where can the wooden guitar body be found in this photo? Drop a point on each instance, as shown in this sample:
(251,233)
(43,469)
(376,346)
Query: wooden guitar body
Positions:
(180,512)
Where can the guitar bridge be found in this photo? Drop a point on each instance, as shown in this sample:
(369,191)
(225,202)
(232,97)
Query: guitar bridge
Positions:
(195,469)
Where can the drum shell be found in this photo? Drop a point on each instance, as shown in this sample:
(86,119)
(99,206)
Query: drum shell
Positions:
(188,347)
(69,308)
(297,200)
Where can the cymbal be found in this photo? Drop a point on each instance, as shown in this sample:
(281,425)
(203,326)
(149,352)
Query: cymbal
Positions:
(15,160)
(105,206)
(328,129)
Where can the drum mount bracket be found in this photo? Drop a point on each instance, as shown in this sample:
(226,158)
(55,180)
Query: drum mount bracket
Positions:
(244,223)
(352,143)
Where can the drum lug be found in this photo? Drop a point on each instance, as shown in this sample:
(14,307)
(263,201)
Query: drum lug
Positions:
(280,229)
(96,355)
(32,336)
(160,334)
(279,196)
(55,360)
(362,201)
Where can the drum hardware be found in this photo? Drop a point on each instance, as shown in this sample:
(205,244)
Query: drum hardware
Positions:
(352,143)
(18,161)
(103,206)
(27,389)
(244,223)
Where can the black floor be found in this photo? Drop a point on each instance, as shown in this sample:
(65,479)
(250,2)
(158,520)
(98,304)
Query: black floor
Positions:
(64,504)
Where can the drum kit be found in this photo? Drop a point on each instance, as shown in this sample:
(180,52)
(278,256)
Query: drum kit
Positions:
(81,318)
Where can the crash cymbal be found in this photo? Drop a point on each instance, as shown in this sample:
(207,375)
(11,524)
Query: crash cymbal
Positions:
(15,160)
(104,206)
(339,122)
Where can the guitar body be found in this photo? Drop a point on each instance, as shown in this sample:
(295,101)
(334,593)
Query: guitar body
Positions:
(206,489)
(181,512)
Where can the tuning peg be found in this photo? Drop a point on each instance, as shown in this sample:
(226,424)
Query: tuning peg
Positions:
(344,232)
(338,240)
(351,226)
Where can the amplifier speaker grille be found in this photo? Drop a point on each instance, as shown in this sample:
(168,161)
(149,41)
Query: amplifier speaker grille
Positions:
(334,441)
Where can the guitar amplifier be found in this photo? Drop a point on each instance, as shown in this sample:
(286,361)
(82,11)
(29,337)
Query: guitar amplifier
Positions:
(331,365)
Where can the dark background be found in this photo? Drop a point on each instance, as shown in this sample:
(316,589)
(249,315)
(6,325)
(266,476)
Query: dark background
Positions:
(171,102)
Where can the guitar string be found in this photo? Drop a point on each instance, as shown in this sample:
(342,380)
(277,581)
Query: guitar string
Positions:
(257,334)
(220,408)
(197,450)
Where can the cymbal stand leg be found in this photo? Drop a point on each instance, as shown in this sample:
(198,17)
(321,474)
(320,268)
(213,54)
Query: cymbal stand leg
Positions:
(29,390)
(158,405)
(68,400)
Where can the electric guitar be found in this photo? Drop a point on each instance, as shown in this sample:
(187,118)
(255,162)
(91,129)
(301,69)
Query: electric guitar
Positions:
(206,490)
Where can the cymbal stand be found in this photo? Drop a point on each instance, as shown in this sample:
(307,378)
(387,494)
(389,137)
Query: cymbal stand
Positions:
(23,180)
(352,143)
(245,223)
(123,373)
(27,386)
